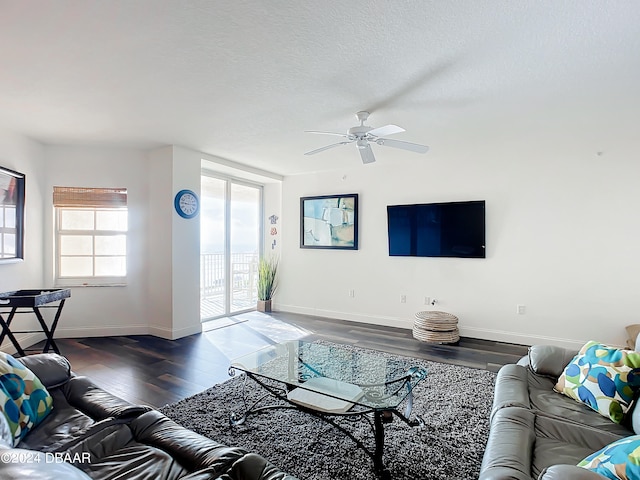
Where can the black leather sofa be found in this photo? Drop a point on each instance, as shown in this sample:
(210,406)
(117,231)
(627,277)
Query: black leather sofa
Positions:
(537,433)
(91,433)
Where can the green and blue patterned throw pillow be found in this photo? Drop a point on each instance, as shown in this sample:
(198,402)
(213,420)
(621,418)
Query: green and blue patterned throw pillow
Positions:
(604,378)
(618,460)
(24,401)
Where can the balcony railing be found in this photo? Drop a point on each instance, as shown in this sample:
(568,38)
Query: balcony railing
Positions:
(243,283)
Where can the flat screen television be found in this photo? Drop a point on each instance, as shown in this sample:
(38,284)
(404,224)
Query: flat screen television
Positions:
(454,229)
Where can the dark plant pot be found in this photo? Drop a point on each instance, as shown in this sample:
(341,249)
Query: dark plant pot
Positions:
(264,306)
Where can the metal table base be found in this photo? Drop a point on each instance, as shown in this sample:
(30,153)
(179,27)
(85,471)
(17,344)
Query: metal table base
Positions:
(32,301)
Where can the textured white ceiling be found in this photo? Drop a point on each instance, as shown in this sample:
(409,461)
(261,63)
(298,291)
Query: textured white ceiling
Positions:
(243,79)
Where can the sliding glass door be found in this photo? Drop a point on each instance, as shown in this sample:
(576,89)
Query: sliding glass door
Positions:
(230,246)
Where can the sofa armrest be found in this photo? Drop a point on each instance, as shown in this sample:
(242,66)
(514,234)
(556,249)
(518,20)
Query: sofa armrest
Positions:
(509,450)
(249,467)
(549,360)
(203,456)
(97,403)
(186,446)
(52,369)
(503,473)
(255,467)
(512,388)
(569,472)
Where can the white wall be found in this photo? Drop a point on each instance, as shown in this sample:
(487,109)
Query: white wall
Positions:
(186,246)
(563,231)
(162,292)
(25,156)
(159,255)
(562,236)
(177,168)
(98,311)
(272,200)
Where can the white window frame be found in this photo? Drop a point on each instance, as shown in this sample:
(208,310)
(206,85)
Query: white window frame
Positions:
(92,280)
(229,181)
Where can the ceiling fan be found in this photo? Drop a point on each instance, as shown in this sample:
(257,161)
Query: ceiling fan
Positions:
(364,135)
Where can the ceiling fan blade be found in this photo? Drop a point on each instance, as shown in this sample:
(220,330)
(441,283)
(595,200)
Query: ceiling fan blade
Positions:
(367,154)
(327,147)
(413,147)
(386,130)
(346,135)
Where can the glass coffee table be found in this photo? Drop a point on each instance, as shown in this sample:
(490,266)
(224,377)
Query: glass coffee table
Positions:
(329,381)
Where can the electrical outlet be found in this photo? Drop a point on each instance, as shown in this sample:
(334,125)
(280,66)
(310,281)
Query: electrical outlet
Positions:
(521,309)
(427,300)
(403,299)
(352,293)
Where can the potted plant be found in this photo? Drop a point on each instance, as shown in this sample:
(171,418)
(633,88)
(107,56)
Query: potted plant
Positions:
(267,269)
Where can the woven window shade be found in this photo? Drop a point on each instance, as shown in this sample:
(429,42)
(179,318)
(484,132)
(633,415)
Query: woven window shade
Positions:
(89,197)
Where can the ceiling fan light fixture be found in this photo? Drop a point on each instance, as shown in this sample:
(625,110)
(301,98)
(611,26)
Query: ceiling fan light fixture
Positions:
(363,135)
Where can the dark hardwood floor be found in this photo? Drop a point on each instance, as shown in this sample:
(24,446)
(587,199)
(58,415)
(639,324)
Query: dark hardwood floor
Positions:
(153,371)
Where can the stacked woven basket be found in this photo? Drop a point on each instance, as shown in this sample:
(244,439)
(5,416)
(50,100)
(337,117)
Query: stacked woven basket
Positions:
(436,327)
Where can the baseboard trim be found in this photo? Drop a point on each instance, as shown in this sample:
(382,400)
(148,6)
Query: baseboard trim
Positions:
(102,331)
(170,334)
(24,340)
(354,317)
(472,332)
(28,340)
(519,338)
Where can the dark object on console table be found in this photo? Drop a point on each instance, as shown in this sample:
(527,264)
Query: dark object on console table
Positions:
(32,300)
(91,433)
(539,433)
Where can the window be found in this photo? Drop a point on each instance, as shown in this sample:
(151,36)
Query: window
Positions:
(91,235)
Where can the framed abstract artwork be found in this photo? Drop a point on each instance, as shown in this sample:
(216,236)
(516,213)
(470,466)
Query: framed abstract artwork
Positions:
(11,215)
(329,221)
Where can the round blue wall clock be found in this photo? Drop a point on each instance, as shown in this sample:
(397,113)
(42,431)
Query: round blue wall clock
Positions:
(187,203)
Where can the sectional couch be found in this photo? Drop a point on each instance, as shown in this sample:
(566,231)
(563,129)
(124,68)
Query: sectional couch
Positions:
(537,432)
(91,433)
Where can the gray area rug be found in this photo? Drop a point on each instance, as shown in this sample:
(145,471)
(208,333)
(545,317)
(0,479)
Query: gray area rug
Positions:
(454,402)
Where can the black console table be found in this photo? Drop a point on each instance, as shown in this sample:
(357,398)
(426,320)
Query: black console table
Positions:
(31,301)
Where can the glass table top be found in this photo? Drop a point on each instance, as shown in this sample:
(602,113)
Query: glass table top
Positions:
(380,380)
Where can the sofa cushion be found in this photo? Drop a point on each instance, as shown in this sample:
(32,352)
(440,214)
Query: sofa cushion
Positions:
(604,378)
(24,400)
(20,464)
(518,386)
(114,453)
(149,447)
(64,424)
(568,472)
(545,400)
(565,442)
(618,460)
(80,407)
